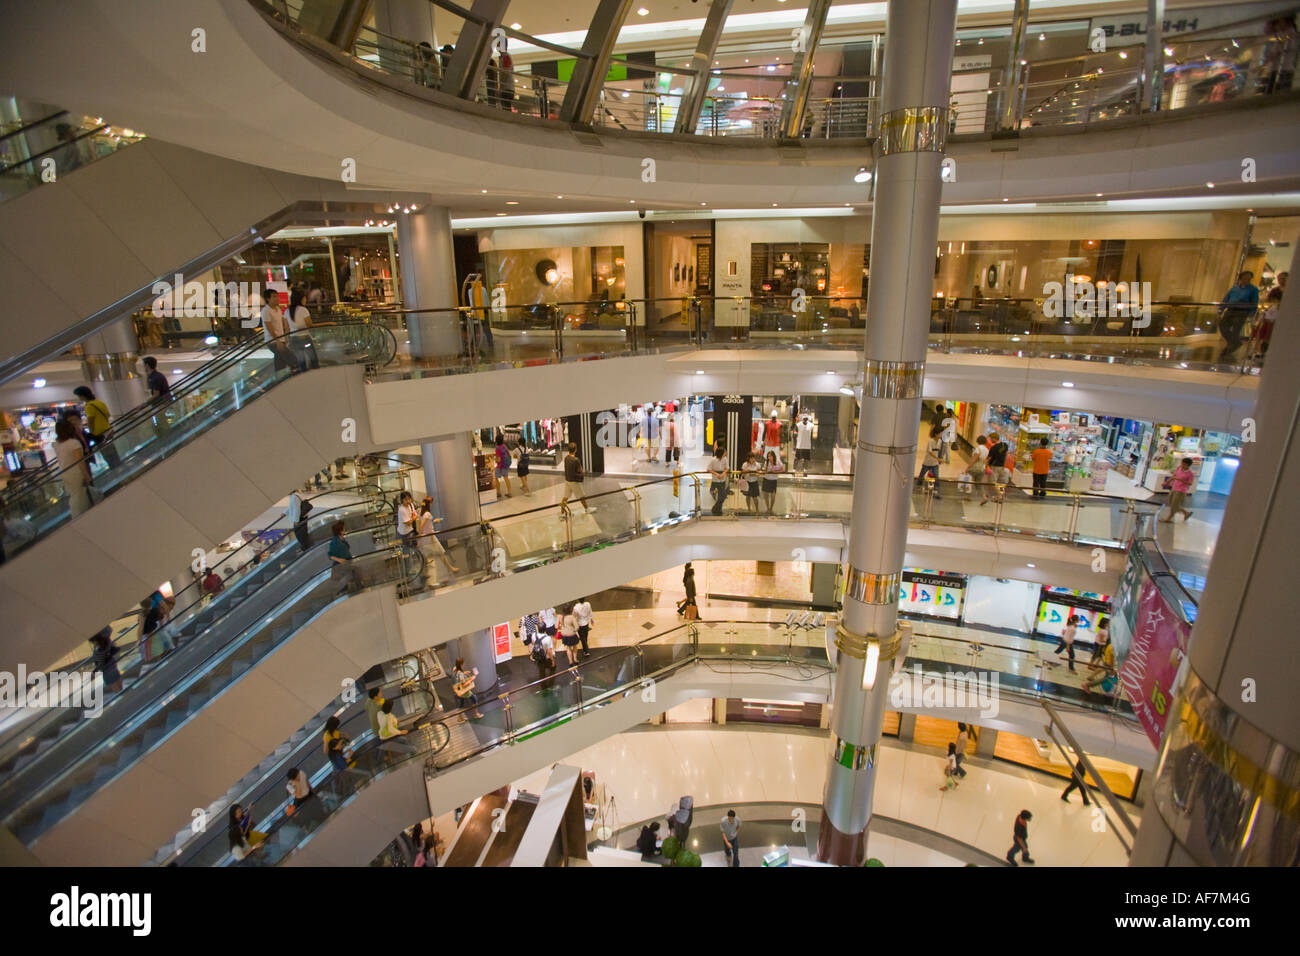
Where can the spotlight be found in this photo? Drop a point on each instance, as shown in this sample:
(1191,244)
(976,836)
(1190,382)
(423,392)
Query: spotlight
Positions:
(863,175)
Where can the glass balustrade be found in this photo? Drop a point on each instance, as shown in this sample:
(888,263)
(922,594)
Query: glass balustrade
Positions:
(443,739)
(48,148)
(1252,57)
(79,754)
(141,438)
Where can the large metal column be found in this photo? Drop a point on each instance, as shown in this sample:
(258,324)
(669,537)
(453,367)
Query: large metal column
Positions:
(1226,790)
(473,49)
(1153,66)
(450,480)
(589,72)
(801,69)
(1011,75)
(108,361)
(904,230)
(428,277)
(688,114)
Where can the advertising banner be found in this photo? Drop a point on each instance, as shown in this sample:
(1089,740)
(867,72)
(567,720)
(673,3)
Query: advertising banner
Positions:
(501,642)
(1151,665)
(932,595)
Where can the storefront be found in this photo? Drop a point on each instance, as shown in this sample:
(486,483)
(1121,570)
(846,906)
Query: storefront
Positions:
(29,435)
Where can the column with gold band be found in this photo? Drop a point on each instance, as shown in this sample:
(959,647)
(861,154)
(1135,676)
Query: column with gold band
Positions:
(905,222)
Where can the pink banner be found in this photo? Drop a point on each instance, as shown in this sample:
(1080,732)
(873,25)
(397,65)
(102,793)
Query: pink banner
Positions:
(1149,670)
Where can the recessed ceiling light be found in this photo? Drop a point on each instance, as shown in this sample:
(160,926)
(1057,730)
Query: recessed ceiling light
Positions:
(632,200)
(699,371)
(1042,36)
(722,89)
(500,214)
(1030,565)
(210,340)
(516,26)
(1005,199)
(1067,385)
(863,175)
(642,11)
(482,190)
(512,202)
(1098,195)
(38,383)
(703,204)
(1209,185)
(177,371)
(559,197)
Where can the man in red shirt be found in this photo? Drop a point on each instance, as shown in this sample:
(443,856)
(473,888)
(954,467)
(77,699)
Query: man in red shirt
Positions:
(1042,456)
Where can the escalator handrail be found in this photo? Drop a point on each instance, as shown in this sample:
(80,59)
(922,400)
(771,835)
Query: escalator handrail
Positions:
(193,383)
(32,730)
(197,673)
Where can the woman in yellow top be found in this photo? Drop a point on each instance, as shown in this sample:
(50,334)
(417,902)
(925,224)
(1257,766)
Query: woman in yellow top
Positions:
(97,421)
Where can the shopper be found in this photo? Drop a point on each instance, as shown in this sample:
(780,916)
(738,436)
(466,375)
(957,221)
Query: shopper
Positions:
(530,625)
(950,769)
(1078,781)
(374,701)
(275,332)
(573,477)
(406,518)
(1066,641)
(502,471)
(160,393)
(648,842)
(240,833)
(104,659)
(98,426)
(568,625)
(1107,678)
(999,457)
(718,476)
(750,471)
(543,655)
(1180,485)
(521,468)
(651,433)
(74,470)
(549,621)
(336,744)
(803,436)
(388,727)
(463,681)
(342,571)
(672,447)
(299,508)
(963,741)
(1042,458)
(1100,641)
(731,838)
(428,540)
(1021,844)
(688,583)
(211,584)
(582,613)
(978,465)
(428,855)
(946,417)
(298,319)
(771,469)
(299,788)
(930,463)
(1238,306)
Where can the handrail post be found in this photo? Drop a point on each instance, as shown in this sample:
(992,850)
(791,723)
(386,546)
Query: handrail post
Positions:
(577,681)
(567,514)
(510,722)
(1074,519)
(999,495)
(929,489)
(636,511)
(696,478)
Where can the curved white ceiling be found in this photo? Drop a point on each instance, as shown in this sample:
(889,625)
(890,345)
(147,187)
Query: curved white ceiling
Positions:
(256,97)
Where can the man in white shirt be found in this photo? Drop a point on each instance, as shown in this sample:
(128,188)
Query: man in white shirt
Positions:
(718,472)
(731,838)
(274,328)
(803,436)
(582,612)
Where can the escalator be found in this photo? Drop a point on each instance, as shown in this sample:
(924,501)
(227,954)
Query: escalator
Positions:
(103,212)
(60,760)
(37,506)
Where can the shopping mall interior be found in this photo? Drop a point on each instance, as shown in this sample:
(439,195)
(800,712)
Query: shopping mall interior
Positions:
(489,434)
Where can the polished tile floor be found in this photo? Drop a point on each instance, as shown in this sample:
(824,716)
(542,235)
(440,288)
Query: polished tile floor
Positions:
(647,771)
